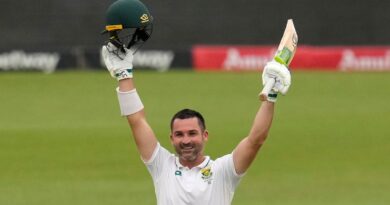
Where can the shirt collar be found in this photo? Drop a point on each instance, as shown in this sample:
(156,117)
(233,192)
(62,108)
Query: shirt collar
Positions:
(202,165)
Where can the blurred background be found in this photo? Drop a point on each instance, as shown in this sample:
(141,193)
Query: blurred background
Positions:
(71,29)
(62,140)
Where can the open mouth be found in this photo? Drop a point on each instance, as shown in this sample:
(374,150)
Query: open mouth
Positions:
(187,149)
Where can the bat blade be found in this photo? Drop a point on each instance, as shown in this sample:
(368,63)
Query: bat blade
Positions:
(288,44)
(284,55)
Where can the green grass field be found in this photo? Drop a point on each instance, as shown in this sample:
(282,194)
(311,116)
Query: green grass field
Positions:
(63,142)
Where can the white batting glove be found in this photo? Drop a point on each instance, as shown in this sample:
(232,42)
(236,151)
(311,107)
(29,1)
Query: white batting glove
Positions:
(282,76)
(118,63)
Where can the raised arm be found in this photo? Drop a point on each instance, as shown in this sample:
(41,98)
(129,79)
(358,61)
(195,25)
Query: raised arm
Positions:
(120,67)
(143,134)
(246,150)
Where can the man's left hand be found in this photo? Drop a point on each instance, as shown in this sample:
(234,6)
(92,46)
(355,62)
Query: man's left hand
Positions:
(281,74)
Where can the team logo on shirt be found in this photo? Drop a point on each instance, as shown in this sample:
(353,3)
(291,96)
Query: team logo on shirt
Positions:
(207,174)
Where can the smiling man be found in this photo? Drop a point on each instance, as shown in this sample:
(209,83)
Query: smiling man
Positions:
(188,135)
(188,177)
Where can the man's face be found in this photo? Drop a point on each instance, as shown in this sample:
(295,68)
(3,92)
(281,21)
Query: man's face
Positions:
(188,138)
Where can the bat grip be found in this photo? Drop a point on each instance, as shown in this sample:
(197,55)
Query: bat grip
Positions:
(267,87)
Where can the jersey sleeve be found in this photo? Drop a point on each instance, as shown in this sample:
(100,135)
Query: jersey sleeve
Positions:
(157,162)
(230,176)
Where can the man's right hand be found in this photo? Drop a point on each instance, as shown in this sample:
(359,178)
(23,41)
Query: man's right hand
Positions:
(118,63)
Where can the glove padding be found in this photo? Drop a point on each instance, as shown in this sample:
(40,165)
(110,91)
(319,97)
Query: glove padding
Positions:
(281,74)
(118,63)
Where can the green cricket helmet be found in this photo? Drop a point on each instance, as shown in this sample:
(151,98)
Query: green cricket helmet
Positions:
(128,23)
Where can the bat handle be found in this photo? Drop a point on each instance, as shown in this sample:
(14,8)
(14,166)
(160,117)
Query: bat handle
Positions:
(267,87)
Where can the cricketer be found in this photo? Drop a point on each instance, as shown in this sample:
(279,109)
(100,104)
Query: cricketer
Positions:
(188,176)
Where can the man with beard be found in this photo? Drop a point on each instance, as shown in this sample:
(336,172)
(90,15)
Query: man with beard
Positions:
(191,177)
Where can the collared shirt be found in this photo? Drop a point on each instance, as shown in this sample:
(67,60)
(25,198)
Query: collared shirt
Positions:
(209,183)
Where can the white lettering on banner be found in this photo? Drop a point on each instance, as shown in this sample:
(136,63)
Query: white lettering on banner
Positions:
(234,60)
(19,60)
(159,60)
(349,61)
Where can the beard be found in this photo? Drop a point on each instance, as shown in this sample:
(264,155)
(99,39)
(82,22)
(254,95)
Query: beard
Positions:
(189,152)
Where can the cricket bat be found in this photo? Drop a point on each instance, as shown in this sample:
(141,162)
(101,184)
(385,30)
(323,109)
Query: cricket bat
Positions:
(284,55)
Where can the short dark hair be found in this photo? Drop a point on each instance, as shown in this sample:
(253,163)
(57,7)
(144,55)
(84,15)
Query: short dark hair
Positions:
(188,113)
